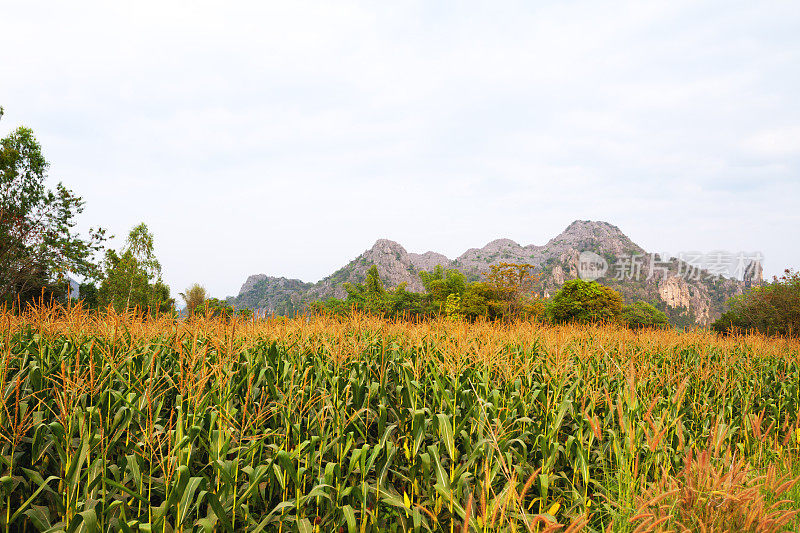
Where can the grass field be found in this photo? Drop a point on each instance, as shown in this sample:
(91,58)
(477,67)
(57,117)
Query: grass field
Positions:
(359,424)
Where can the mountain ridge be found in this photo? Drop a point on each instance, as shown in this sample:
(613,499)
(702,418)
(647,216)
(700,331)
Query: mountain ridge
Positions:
(687,302)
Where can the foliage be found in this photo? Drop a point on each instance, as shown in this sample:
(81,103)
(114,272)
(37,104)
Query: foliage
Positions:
(38,243)
(448,294)
(584,301)
(88,293)
(508,292)
(513,288)
(363,424)
(368,296)
(441,285)
(772,309)
(643,315)
(373,298)
(214,307)
(193,297)
(475,302)
(133,279)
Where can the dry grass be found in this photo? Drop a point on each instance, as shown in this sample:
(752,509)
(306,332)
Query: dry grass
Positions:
(718,494)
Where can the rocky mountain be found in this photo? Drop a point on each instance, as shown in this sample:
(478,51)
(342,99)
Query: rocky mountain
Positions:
(688,293)
(268,294)
(395,266)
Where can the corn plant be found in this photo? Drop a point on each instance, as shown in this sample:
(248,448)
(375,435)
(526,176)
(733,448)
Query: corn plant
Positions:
(123,423)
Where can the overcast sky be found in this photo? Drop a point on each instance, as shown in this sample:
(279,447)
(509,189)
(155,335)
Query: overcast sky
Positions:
(286,137)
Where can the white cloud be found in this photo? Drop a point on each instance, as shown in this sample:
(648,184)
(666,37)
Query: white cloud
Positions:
(776,142)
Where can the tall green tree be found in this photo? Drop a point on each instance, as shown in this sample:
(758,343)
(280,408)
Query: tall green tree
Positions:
(133,278)
(372,297)
(88,294)
(141,248)
(39,246)
(583,301)
(443,286)
(368,296)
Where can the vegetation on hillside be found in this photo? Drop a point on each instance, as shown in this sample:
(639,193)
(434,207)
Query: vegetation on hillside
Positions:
(508,291)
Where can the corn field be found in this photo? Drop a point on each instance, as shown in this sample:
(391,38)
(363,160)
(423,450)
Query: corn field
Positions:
(119,423)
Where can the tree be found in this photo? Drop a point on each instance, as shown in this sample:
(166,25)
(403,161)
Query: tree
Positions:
(372,297)
(161,301)
(773,309)
(133,279)
(475,301)
(369,296)
(141,248)
(643,315)
(373,286)
(445,290)
(584,301)
(88,294)
(38,244)
(125,284)
(513,288)
(194,296)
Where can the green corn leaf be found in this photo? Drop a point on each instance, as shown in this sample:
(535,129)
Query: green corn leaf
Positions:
(126,490)
(350,517)
(304,526)
(22,509)
(222,515)
(87,519)
(38,518)
(186,505)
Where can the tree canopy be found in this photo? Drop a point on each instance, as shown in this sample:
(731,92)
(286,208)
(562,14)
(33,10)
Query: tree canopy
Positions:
(39,246)
(643,315)
(194,296)
(585,301)
(773,308)
(133,276)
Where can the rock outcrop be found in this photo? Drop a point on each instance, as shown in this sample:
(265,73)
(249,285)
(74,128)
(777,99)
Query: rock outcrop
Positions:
(678,294)
(428,261)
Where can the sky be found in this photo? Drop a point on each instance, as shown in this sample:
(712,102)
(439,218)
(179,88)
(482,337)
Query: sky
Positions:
(286,137)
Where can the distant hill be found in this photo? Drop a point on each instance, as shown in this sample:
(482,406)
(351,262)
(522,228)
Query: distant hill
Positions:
(268,294)
(687,300)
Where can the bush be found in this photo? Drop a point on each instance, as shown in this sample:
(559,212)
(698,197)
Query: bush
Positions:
(772,309)
(585,301)
(643,315)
